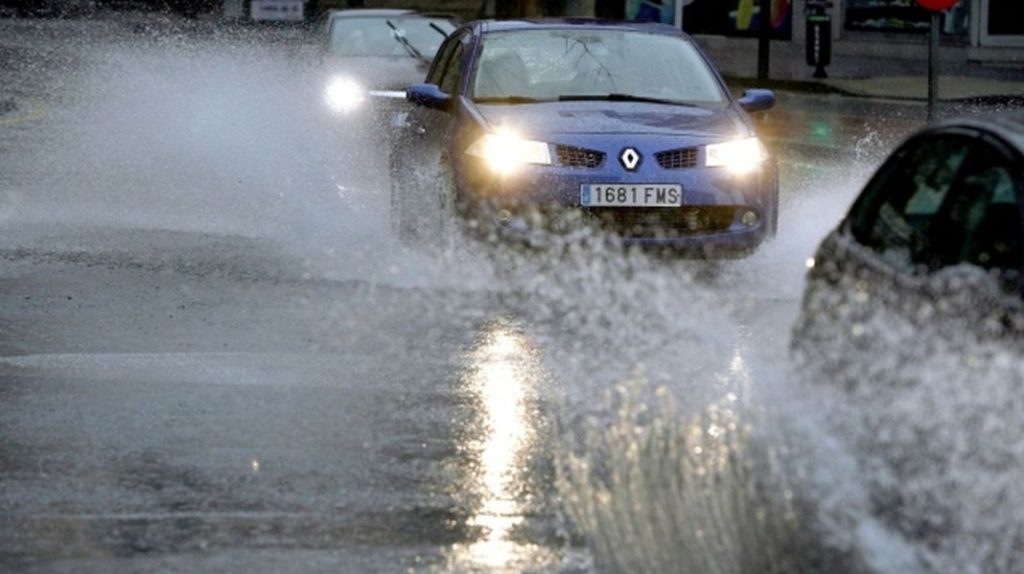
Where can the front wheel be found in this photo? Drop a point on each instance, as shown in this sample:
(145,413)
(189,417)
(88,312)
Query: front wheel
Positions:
(773,228)
(422,207)
(187,8)
(446,222)
(396,207)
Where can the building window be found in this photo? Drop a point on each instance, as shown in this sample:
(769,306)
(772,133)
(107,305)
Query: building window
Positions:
(903,16)
(737,18)
(1004,18)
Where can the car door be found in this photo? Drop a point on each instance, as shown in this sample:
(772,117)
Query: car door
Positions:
(976,259)
(932,245)
(417,182)
(427,128)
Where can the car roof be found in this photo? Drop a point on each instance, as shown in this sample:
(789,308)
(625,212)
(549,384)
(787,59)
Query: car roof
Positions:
(488,26)
(373,13)
(1009,126)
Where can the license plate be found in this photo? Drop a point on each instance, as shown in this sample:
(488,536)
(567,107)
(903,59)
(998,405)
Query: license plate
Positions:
(641,195)
(276,9)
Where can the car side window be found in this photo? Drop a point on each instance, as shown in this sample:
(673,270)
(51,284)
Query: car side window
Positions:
(444,56)
(981,224)
(453,70)
(944,201)
(902,202)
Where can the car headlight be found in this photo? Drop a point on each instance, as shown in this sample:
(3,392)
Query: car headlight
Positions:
(739,156)
(504,152)
(344,95)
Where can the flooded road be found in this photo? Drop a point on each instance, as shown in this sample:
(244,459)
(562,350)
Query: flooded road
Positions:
(215,356)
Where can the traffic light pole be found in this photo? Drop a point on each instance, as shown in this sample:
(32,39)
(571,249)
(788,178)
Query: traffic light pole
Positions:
(933,66)
(764,40)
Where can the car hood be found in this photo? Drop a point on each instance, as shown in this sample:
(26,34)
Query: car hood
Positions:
(615,117)
(379,73)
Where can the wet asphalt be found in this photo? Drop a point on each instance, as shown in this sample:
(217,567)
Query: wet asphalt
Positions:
(191,382)
(200,373)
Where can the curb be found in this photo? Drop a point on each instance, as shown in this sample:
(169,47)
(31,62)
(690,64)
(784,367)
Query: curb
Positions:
(795,149)
(824,87)
(986,100)
(809,87)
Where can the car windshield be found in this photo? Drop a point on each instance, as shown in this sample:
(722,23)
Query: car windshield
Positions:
(388,37)
(558,64)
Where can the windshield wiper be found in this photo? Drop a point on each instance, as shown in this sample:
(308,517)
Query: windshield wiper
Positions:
(624,98)
(401,39)
(508,100)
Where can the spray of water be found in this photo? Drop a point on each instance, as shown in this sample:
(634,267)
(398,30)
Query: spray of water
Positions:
(687,443)
(164,128)
(686,491)
(689,463)
(922,400)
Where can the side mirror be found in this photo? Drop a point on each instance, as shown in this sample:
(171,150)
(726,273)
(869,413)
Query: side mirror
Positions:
(428,95)
(757,100)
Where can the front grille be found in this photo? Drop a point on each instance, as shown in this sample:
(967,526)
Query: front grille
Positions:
(677,158)
(570,156)
(663,221)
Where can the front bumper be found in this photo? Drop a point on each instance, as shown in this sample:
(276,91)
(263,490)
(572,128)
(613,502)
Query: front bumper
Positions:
(721,213)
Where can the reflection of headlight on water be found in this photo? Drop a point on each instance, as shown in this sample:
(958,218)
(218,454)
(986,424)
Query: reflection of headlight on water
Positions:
(503,380)
(344,95)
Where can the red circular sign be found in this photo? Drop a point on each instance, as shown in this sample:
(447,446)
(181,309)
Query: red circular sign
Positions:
(938,5)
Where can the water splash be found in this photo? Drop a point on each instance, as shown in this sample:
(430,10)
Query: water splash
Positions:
(712,460)
(687,491)
(922,402)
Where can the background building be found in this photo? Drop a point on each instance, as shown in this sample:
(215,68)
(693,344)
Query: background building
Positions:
(871,37)
(983,38)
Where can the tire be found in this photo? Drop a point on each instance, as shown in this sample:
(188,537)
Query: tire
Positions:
(428,217)
(402,215)
(394,205)
(421,208)
(773,228)
(188,8)
(446,224)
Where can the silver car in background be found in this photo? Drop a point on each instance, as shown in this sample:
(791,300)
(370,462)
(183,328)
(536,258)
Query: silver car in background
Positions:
(372,56)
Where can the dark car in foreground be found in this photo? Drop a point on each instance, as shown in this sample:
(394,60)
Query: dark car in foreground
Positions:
(51,8)
(372,56)
(527,128)
(930,250)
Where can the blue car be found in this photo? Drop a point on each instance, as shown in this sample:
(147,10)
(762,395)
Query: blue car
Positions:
(528,128)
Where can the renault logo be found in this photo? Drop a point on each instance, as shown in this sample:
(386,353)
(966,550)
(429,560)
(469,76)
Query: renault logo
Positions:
(630,159)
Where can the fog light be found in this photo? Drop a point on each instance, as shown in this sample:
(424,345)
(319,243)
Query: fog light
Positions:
(749,219)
